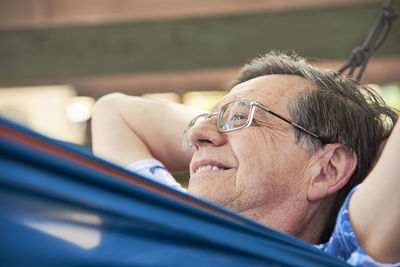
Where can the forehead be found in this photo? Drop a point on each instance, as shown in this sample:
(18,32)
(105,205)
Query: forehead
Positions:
(274,91)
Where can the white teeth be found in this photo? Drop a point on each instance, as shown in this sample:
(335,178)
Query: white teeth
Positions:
(209,168)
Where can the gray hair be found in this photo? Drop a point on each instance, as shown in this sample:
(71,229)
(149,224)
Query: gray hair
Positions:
(338,109)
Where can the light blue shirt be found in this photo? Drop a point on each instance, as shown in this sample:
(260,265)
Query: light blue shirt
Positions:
(155,170)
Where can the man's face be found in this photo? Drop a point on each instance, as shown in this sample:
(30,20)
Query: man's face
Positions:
(258,168)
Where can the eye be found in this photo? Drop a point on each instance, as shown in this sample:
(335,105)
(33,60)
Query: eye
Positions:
(239,116)
(238,120)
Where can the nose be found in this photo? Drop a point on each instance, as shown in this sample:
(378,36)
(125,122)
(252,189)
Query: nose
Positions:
(205,133)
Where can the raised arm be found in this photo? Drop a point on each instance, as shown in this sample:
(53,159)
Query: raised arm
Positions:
(375,207)
(126,129)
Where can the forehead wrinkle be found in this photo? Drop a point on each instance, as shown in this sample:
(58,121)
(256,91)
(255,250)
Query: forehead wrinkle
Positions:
(254,87)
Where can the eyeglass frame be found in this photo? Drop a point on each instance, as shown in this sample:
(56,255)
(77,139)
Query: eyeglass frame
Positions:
(253,104)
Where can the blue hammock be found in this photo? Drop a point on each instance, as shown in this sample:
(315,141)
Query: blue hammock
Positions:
(61,206)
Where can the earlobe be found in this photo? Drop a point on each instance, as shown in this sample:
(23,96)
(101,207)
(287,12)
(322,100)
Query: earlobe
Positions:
(334,168)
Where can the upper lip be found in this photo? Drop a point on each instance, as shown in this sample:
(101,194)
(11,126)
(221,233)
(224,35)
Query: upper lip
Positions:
(206,162)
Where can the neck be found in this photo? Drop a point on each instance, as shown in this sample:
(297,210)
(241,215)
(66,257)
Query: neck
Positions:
(304,221)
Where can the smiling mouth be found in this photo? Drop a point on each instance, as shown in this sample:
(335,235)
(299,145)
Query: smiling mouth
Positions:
(208,168)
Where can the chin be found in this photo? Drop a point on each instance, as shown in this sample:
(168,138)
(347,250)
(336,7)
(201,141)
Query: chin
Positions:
(201,193)
(192,190)
(210,198)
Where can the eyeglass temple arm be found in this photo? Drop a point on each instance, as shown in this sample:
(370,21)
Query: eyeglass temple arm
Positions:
(322,139)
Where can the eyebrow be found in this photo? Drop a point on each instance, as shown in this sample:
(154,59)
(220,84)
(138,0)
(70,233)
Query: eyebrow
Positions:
(218,105)
(215,108)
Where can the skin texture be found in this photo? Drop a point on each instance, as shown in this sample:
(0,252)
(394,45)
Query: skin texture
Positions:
(374,208)
(126,129)
(266,176)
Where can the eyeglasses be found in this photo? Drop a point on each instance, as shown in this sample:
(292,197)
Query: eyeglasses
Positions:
(236,115)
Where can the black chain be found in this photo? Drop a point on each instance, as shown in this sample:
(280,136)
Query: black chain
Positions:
(361,54)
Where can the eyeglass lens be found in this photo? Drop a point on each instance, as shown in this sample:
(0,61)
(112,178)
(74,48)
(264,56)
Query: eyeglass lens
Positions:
(234,115)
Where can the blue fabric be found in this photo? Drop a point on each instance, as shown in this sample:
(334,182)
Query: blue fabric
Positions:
(344,244)
(55,211)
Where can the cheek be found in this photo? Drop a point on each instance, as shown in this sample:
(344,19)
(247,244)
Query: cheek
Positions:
(268,161)
(254,157)
(258,148)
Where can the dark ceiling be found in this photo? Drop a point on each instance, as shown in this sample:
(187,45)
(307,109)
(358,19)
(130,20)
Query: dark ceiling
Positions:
(178,45)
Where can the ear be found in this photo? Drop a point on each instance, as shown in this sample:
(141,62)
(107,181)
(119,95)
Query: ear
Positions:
(334,167)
